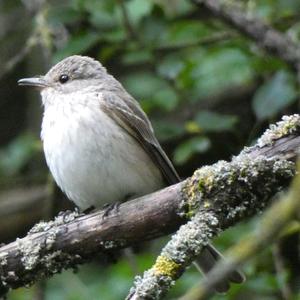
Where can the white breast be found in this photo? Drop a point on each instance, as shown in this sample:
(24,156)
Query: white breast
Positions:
(91,158)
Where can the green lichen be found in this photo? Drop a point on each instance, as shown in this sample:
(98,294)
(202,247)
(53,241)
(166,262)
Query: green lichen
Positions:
(166,267)
(199,184)
(235,187)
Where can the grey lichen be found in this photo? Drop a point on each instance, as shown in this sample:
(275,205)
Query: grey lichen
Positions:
(235,189)
(150,286)
(111,244)
(30,253)
(288,125)
(183,248)
(51,237)
(3,259)
(191,238)
(32,250)
(63,218)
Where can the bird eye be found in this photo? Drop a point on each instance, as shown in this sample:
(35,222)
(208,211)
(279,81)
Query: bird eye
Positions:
(63,78)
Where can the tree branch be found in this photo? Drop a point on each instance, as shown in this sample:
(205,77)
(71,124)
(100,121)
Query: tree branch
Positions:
(217,197)
(276,218)
(231,190)
(266,36)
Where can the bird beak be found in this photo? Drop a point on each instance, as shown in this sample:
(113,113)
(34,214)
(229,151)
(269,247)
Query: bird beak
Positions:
(34,81)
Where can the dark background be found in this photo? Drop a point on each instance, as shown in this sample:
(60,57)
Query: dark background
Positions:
(207,89)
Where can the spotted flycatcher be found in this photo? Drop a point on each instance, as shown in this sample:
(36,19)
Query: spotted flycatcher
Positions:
(99,144)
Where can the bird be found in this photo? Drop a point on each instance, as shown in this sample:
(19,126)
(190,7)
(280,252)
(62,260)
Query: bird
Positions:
(100,145)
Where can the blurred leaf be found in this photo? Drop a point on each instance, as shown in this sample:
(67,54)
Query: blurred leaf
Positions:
(185,32)
(15,156)
(274,95)
(151,91)
(64,13)
(291,229)
(210,72)
(137,57)
(212,121)
(117,36)
(192,127)
(170,66)
(102,14)
(166,130)
(137,9)
(188,148)
(107,52)
(149,29)
(165,98)
(142,84)
(77,45)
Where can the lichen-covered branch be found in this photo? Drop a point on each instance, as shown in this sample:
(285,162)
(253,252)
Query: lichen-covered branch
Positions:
(266,36)
(214,197)
(276,218)
(217,196)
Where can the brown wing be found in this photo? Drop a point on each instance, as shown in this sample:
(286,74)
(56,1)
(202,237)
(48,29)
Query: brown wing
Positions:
(128,114)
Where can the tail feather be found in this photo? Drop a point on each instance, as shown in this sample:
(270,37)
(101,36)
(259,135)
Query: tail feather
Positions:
(207,260)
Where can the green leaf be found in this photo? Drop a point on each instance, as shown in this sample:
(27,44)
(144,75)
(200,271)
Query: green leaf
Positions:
(219,68)
(64,13)
(15,156)
(170,66)
(185,32)
(151,91)
(137,9)
(165,98)
(212,121)
(78,44)
(166,130)
(137,57)
(274,95)
(142,84)
(102,14)
(187,149)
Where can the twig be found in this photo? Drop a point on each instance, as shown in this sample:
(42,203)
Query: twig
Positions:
(206,41)
(11,63)
(127,24)
(41,34)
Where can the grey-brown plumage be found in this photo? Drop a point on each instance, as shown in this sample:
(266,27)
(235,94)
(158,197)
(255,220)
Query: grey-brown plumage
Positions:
(99,144)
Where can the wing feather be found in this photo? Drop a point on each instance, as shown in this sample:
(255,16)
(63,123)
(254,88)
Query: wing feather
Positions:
(128,114)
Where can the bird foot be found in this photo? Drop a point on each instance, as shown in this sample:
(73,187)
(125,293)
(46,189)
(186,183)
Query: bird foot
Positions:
(109,208)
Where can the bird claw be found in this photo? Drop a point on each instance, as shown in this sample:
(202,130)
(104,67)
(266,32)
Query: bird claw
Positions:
(109,208)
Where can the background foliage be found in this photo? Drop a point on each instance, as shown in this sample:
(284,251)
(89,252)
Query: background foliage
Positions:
(207,89)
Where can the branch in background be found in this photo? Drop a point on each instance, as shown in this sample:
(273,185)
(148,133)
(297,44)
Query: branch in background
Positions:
(276,218)
(41,34)
(285,289)
(20,209)
(266,36)
(131,33)
(218,196)
(233,95)
(227,191)
(206,41)
(11,63)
